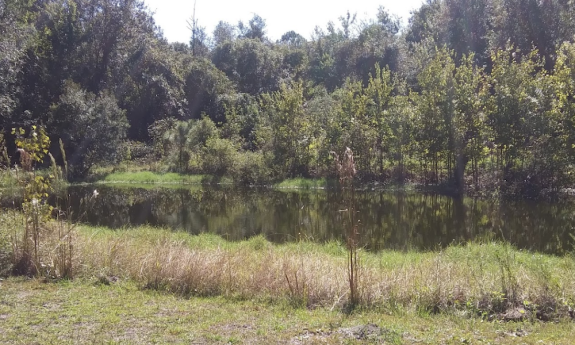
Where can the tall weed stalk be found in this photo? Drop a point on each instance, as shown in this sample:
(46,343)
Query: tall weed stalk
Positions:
(65,225)
(509,284)
(345,169)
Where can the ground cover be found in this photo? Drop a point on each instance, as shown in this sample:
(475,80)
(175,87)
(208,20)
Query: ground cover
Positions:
(92,312)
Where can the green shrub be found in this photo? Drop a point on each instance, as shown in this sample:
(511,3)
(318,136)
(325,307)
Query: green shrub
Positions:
(251,168)
(218,156)
(5,248)
(96,127)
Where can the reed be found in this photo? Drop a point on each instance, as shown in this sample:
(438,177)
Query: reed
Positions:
(345,170)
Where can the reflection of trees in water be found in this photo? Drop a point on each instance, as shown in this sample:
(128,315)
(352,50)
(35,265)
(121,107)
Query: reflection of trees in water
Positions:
(400,221)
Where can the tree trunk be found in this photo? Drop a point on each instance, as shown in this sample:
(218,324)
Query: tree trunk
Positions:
(459,173)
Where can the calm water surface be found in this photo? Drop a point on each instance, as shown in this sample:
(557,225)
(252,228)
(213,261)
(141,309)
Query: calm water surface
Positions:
(387,220)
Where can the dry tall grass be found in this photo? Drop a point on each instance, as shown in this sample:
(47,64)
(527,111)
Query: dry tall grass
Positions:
(468,278)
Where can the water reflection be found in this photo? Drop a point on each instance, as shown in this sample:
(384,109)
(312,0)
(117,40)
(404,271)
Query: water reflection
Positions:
(400,221)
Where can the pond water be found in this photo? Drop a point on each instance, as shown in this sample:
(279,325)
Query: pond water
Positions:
(387,220)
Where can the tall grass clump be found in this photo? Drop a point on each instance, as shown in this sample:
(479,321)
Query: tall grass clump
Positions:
(6,176)
(63,234)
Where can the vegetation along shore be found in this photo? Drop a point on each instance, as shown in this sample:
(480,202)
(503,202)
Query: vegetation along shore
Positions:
(468,98)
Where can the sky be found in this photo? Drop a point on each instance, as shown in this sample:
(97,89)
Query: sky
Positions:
(302,16)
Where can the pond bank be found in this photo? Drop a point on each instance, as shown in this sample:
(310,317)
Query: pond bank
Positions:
(148,177)
(446,189)
(489,280)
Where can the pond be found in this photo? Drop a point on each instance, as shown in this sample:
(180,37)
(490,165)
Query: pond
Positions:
(386,220)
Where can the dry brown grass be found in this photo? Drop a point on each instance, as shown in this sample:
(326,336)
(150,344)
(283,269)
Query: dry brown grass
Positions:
(468,278)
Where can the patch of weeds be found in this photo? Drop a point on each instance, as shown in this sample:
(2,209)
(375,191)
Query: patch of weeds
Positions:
(508,274)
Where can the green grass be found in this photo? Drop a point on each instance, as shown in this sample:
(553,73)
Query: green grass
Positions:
(7,179)
(147,177)
(88,312)
(302,183)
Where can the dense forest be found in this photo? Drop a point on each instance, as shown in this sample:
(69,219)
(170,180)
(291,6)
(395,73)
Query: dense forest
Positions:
(473,94)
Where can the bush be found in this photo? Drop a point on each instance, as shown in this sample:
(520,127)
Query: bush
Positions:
(5,248)
(218,156)
(251,168)
(135,151)
(91,126)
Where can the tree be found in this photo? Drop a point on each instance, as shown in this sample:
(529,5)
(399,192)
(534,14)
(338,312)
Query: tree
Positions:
(155,88)
(532,24)
(435,112)
(379,92)
(293,40)
(91,127)
(199,39)
(223,32)
(512,105)
(256,28)
(469,132)
(469,27)
(251,64)
(289,137)
(205,88)
(14,41)
(517,111)
(559,144)
(426,23)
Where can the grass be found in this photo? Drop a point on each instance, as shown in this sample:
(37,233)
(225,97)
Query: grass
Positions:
(88,312)
(303,183)
(9,179)
(485,280)
(148,177)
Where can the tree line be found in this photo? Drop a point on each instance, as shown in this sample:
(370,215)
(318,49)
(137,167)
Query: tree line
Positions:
(477,95)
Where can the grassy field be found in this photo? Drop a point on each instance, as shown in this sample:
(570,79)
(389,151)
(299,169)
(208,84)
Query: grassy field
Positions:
(89,312)
(487,280)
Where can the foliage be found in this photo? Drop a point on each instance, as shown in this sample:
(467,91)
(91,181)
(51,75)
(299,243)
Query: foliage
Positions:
(251,168)
(25,253)
(470,95)
(289,135)
(219,156)
(92,127)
